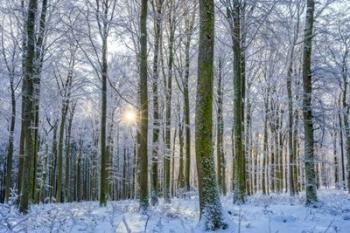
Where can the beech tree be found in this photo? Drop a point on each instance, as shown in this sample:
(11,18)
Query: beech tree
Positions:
(27,114)
(310,176)
(76,117)
(143,111)
(209,201)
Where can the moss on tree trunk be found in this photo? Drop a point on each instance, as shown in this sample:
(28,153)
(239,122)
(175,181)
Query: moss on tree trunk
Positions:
(210,206)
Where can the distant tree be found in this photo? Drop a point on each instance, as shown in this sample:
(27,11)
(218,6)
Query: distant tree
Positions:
(220,129)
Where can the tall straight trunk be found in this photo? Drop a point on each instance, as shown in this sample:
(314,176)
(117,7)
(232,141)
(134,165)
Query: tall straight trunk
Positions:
(346,113)
(291,153)
(93,184)
(168,97)
(341,139)
(265,183)
(280,152)
(79,190)
(209,200)
(172,177)
(256,170)
(295,149)
(143,116)
(60,153)
(64,111)
(241,8)
(272,177)
(104,153)
(220,132)
(239,161)
(124,188)
(335,156)
(53,162)
(278,148)
(310,185)
(21,146)
(110,151)
(27,115)
(157,7)
(248,146)
(10,142)
(39,59)
(187,123)
(181,180)
(42,189)
(21,151)
(68,187)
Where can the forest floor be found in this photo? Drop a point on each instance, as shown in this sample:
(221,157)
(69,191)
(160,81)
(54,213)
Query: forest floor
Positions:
(277,213)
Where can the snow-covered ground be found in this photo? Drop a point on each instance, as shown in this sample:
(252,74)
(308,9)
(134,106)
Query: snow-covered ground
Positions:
(261,214)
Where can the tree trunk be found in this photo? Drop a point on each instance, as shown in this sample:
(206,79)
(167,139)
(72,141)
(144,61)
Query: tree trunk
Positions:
(10,142)
(53,162)
(143,109)
(220,132)
(265,170)
(27,115)
(346,113)
(157,8)
(21,146)
(209,200)
(60,153)
(341,139)
(104,153)
(291,153)
(66,93)
(239,163)
(181,180)
(68,186)
(310,185)
(172,177)
(187,122)
(168,97)
(39,59)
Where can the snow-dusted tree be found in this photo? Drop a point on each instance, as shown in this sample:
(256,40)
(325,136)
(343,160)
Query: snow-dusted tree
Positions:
(158,17)
(209,200)
(27,114)
(11,55)
(220,128)
(310,176)
(234,16)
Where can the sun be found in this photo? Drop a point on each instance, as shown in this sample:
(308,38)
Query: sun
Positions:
(130,116)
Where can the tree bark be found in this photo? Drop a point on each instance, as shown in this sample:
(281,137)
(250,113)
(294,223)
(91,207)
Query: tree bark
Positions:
(220,132)
(39,59)
(10,142)
(209,201)
(168,100)
(239,161)
(28,116)
(310,176)
(157,8)
(143,111)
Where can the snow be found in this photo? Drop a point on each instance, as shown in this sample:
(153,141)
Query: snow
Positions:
(271,214)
